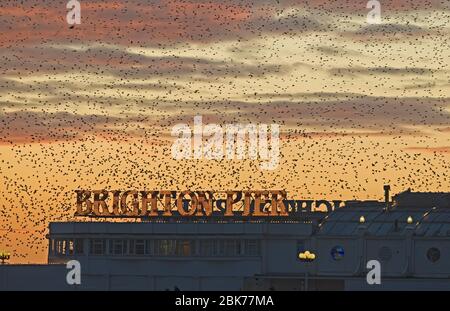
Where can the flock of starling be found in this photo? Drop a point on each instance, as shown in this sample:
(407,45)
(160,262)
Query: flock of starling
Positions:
(91,106)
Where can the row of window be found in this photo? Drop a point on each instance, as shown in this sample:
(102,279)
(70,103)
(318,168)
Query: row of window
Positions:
(189,247)
(66,247)
(157,247)
(385,253)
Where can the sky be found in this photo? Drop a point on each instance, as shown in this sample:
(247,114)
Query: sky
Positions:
(91,106)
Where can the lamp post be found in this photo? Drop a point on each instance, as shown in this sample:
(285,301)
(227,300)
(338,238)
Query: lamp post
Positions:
(4,256)
(306,257)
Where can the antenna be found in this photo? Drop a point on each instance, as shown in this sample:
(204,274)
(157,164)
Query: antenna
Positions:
(386,188)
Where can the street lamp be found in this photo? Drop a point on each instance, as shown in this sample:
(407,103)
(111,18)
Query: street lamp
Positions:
(4,256)
(409,220)
(306,257)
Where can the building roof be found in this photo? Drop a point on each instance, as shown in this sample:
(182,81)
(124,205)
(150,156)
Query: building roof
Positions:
(422,200)
(379,222)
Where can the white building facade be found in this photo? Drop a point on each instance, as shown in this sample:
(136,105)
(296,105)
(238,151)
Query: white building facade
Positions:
(411,241)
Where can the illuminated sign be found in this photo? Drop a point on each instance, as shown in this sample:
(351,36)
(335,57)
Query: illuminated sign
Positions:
(133,203)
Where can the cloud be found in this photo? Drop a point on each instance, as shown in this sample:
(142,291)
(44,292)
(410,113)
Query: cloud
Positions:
(322,96)
(419,86)
(445,149)
(106,60)
(336,51)
(343,113)
(34,126)
(151,24)
(357,6)
(393,31)
(163,22)
(389,29)
(350,71)
(445,129)
(361,116)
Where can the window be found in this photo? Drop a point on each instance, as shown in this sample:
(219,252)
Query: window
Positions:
(433,254)
(66,247)
(229,247)
(164,247)
(131,247)
(55,246)
(170,247)
(173,247)
(79,247)
(160,247)
(232,247)
(337,253)
(218,248)
(63,247)
(184,247)
(206,247)
(97,247)
(70,247)
(149,247)
(60,247)
(136,247)
(118,247)
(252,248)
(139,247)
(52,246)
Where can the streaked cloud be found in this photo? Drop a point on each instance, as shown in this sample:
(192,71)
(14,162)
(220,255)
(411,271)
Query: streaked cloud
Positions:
(118,62)
(144,23)
(382,70)
(360,116)
(445,149)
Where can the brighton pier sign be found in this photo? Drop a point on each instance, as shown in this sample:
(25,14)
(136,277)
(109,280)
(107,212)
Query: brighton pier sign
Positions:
(257,203)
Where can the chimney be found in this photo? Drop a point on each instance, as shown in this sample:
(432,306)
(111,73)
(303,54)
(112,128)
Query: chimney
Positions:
(386,188)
